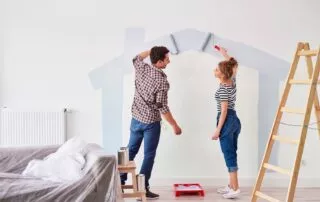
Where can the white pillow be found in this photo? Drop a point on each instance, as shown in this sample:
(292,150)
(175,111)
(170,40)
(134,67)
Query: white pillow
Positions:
(73,145)
(66,164)
(58,169)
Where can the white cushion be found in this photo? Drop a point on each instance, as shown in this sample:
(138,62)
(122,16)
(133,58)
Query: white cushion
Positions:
(59,169)
(73,145)
(66,164)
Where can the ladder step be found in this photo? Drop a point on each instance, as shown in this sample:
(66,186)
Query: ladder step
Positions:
(277,169)
(294,111)
(285,139)
(306,82)
(308,53)
(266,197)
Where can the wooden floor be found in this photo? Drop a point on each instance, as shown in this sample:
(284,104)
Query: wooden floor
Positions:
(302,195)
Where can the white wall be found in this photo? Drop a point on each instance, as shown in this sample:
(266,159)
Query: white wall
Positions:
(1,48)
(50,47)
(191,100)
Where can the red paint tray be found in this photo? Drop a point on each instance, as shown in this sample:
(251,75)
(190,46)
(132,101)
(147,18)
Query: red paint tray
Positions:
(183,189)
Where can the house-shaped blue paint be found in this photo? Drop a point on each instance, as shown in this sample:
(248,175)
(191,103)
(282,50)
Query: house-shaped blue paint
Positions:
(109,77)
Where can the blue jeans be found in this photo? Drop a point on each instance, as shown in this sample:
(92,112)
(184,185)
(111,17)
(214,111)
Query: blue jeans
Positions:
(151,135)
(229,139)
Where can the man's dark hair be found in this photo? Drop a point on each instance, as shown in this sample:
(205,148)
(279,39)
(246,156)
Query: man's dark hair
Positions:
(158,53)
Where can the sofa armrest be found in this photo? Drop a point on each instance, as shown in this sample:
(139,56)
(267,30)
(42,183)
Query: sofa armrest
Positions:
(15,159)
(104,177)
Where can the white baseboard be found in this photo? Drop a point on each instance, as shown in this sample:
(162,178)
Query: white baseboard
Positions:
(269,181)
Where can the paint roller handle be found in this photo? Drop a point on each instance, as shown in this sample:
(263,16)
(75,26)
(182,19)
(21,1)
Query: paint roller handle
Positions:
(223,51)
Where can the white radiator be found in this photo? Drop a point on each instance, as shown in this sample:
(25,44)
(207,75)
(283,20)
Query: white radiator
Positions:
(32,128)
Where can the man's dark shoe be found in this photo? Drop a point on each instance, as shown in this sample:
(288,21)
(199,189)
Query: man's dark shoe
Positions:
(150,195)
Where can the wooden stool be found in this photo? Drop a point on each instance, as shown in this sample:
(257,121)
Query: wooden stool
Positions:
(131,169)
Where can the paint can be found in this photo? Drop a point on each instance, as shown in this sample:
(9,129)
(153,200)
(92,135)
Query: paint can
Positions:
(126,149)
(141,182)
(123,160)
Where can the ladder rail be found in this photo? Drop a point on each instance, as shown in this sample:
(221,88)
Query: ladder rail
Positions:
(276,122)
(303,49)
(316,100)
(310,103)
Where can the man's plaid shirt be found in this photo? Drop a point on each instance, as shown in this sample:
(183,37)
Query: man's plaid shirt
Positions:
(151,92)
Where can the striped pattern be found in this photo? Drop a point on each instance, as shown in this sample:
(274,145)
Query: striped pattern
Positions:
(32,128)
(226,93)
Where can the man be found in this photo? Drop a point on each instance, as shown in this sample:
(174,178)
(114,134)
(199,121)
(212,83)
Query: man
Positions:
(150,102)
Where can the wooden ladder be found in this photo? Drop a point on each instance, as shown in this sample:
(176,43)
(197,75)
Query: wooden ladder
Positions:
(303,49)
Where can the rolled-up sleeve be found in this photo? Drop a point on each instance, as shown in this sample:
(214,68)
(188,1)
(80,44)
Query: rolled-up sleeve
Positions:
(162,98)
(138,63)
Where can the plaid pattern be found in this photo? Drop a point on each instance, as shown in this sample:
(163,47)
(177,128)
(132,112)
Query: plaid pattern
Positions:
(151,92)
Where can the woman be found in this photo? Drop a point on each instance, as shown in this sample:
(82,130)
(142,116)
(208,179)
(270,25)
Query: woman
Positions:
(228,124)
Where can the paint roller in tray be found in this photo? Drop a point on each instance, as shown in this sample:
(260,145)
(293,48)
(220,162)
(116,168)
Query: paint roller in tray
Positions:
(187,189)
